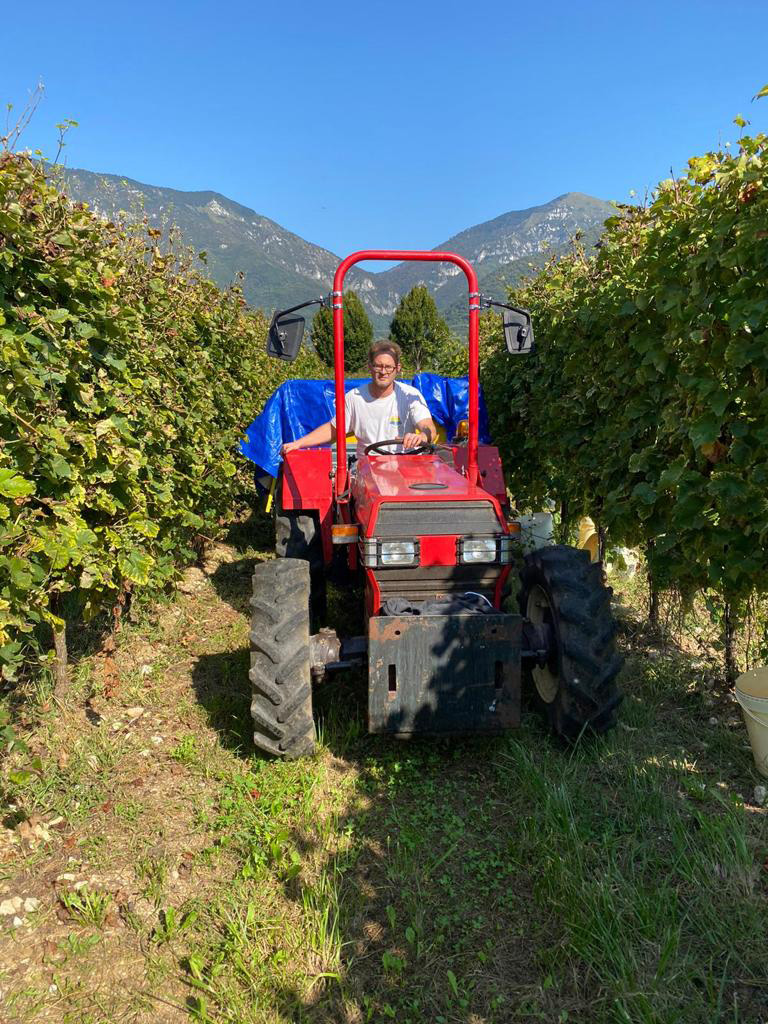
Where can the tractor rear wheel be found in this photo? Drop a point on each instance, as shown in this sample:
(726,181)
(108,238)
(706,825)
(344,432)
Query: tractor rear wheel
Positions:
(562,594)
(297,535)
(281,703)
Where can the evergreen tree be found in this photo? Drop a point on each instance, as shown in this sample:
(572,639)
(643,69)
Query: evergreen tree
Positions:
(419,329)
(358,333)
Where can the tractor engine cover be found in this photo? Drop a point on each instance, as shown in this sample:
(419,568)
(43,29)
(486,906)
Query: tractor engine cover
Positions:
(444,674)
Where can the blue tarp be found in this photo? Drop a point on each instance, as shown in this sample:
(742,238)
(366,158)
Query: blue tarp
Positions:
(299,406)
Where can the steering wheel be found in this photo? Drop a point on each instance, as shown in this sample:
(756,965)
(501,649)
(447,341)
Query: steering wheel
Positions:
(421,449)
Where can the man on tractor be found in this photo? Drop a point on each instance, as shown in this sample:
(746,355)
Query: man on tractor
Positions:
(433,539)
(381,410)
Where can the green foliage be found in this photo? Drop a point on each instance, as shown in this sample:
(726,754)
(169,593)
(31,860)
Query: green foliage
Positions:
(171,924)
(87,907)
(126,379)
(9,740)
(420,331)
(358,333)
(322,335)
(646,404)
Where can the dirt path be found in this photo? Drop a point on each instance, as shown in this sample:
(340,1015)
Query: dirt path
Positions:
(110,836)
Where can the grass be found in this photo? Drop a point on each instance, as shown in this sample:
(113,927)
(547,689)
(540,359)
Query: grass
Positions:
(86,908)
(481,881)
(152,875)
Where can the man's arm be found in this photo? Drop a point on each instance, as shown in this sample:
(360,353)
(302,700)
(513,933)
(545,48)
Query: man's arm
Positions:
(324,434)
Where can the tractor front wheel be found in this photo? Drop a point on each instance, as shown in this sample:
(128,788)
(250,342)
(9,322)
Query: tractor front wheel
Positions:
(281,703)
(563,595)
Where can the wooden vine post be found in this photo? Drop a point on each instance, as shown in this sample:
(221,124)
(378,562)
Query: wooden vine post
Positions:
(60,654)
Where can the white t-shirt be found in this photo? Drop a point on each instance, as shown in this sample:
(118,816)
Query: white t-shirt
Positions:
(381,419)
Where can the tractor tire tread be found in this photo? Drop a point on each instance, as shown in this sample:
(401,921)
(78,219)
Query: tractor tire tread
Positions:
(281,692)
(288,627)
(265,608)
(285,711)
(266,723)
(297,732)
(266,688)
(292,664)
(261,645)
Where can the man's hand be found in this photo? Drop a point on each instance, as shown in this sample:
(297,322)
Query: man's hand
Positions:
(414,440)
(320,435)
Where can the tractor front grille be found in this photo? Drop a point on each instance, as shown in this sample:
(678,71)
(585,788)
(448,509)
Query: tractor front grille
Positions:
(419,584)
(408,519)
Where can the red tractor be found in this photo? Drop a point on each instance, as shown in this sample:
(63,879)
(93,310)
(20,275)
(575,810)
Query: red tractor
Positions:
(430,534)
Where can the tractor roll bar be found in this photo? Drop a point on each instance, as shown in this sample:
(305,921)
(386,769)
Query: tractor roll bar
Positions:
(338,350)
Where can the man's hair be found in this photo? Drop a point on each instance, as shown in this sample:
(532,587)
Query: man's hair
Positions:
(384,345)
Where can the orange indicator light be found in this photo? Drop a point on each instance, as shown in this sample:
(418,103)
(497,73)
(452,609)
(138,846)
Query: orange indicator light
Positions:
(344,533)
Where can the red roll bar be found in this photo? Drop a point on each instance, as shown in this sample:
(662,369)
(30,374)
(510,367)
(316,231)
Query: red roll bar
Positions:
(338,351)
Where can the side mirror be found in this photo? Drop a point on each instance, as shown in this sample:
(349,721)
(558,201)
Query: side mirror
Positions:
(284,337)
(518,332)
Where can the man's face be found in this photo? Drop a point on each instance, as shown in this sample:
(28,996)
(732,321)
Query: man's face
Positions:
(383,368)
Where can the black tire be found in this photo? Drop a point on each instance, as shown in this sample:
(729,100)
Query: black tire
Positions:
(576,689)
(297,535)
(281,703)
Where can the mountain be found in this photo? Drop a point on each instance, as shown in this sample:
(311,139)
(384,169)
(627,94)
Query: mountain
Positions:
(500,250)
(282,269)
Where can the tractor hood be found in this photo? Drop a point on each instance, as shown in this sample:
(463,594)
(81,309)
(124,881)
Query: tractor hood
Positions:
(422,480)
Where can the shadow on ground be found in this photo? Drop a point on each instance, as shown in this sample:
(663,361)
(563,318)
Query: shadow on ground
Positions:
(510,878)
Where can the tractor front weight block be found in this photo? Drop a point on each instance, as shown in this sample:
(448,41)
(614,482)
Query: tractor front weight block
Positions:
(444,674)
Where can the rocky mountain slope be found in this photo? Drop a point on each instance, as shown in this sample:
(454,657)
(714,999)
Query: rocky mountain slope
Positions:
(281,268)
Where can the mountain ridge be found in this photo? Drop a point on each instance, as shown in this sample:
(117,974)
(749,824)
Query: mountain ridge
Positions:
(281,268)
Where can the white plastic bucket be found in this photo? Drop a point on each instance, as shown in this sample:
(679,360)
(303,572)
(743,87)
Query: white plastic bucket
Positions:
(536,531)
(751,692)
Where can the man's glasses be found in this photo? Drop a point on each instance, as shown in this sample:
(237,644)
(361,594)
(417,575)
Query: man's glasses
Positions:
(380,368)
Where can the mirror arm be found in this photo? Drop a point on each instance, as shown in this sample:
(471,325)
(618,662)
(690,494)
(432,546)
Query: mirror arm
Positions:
(312,302)
(502,305)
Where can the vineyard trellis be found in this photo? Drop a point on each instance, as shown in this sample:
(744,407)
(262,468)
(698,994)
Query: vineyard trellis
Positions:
(126,379)
(646,405)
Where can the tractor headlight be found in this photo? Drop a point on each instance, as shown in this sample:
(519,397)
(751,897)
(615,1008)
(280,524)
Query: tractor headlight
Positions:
(397,552)
(479,549)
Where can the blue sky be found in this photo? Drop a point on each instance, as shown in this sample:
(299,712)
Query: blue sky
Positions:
(388,123)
